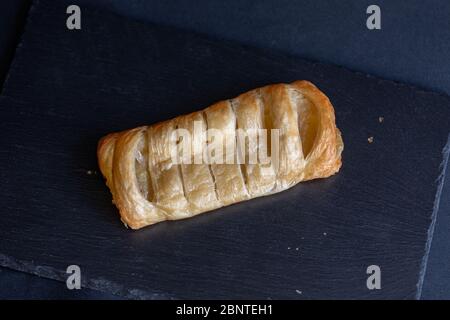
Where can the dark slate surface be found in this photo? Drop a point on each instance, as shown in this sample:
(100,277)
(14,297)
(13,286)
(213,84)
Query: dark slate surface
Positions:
(412,46)
(116,74)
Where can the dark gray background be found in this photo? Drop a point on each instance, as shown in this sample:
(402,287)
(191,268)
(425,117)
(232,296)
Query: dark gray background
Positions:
(413,46)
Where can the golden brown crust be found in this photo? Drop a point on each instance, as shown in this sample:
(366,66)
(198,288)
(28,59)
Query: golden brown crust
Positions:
(260,176)
(324,158)
(230,184)
(198,181)
(147,187)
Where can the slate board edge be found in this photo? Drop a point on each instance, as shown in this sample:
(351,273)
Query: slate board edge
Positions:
(440,181)
(18,47)
(111,287)
(98,284)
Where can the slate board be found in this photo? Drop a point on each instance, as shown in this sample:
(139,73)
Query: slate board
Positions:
(66,89)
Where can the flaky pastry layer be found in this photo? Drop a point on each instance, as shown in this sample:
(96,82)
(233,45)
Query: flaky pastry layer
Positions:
(148,187)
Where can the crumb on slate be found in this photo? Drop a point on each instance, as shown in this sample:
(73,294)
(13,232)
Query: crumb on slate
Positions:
(298,291)
(370,139)
(325,234)
(380,119)
(91,172)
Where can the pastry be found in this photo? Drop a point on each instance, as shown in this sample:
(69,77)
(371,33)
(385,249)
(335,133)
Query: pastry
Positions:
(262,142)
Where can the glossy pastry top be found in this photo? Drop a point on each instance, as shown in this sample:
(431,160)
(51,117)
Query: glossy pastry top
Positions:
(262,142)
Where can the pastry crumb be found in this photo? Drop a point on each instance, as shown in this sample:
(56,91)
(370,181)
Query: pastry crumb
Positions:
(298,291)
(370,139)
(91,172)
(325,234)
(296,249)
(289,248)
(380,119)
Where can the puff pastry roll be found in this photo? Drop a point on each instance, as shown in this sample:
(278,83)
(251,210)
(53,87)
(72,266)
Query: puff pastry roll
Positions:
(262,142)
